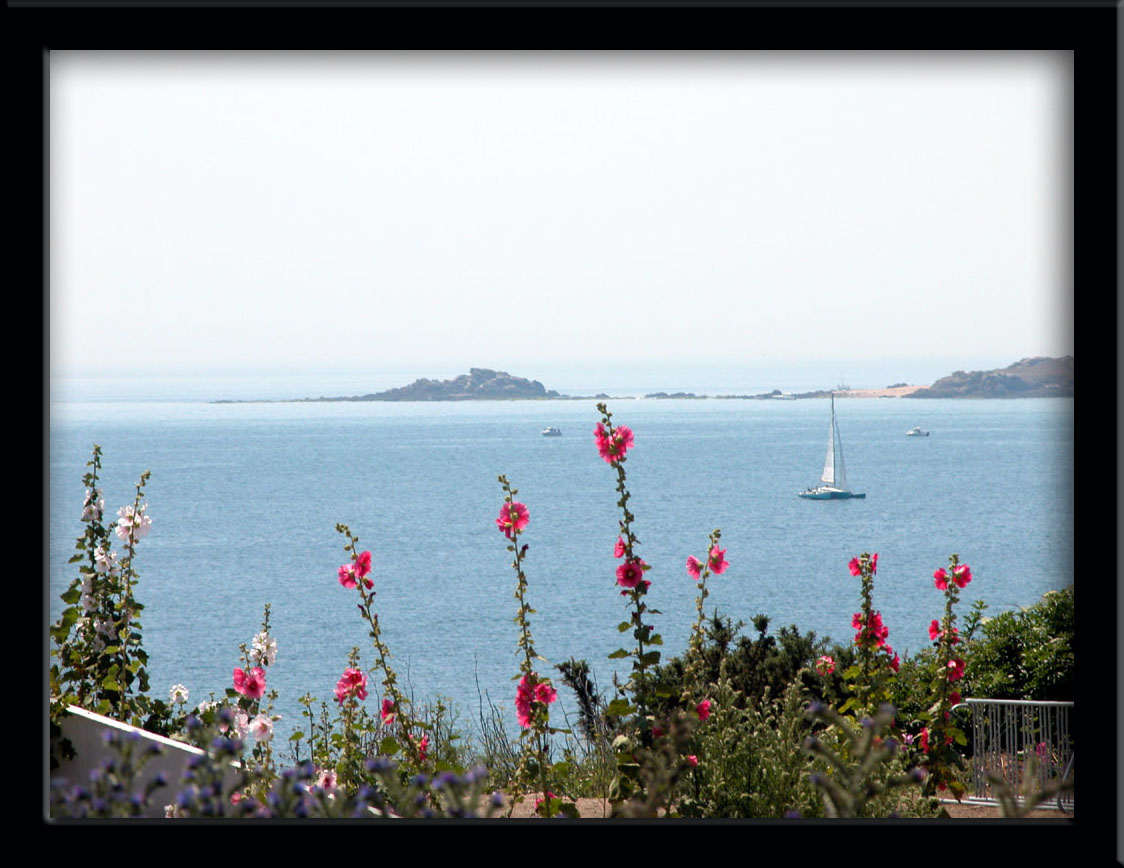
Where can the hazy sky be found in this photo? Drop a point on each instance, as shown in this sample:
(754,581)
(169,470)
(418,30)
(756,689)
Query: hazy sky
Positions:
(227,213)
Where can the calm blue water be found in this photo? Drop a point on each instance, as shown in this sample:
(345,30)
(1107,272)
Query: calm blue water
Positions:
(244,500)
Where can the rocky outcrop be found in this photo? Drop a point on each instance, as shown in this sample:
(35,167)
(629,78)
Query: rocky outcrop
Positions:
(1038,377)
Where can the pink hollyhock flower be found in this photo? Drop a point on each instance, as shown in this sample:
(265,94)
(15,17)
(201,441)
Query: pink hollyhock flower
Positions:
(934,629)
(694,567)
(630,573)
(703,709)
(692,761)
(954,697)
(718,562)
(613,448)
(857,620)
(423,747)
(941,579)
(388,711)
(538,802)
(353,682)
(328,780)
(657,731)
(896,663)
(251,684)
(236,797)
(363,564)
(825,665)
(855,567)
(962,575)
(955,669)
(513,518)
(874,563)
(924,739)
(544,693)
(619,549)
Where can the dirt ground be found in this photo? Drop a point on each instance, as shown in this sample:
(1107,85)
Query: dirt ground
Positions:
(597,808)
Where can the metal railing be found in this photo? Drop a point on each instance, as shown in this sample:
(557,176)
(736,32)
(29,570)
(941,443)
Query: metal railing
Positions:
(1005,732)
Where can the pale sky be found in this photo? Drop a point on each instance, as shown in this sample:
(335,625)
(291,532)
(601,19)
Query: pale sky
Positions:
(218,213)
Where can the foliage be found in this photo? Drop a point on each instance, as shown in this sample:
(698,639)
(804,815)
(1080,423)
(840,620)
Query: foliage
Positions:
(864,779)
(1025,654)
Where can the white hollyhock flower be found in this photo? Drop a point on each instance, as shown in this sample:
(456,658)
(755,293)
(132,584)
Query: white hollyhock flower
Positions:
(261,727)
(264,649)
(93,506)
(105,562)
(133,522)
(178,693)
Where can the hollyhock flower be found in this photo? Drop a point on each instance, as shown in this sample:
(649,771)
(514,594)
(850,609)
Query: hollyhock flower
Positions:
(955,669)
(264,649)
(934,629)
(388,711)
(530,690)
(825,665)
(513,518)
(105,562)
(363,564)
(132,522)
(874,563)
(619,548)
(93,506)
(895,663)
(353,682)
(857,620)
(241,723)
(178,693)
(261,728)
(924,739)
(940,579)
(251,684)
(630,573)
(423,747)
(327,780)
(703,709)
(692,761)
(349,578)
(718,562)
(694,567)
(538,802)
(854,567)
(613,448)
(962,575)
(235,798)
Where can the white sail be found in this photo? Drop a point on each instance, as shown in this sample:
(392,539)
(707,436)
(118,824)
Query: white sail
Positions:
(840,468)
(828,476)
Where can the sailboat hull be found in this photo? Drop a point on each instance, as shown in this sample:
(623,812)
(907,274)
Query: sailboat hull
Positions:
(830,494)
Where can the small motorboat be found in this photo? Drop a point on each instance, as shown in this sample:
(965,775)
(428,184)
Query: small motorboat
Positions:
(916,432)
(551,432)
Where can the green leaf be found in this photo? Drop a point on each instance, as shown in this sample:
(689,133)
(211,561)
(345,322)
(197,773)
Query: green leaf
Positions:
(389,746)
(76,558)
(619,708)
(296,736)
(650,659)
(621,627)
(655,639)
(618,654)
(959,738)
(71,596)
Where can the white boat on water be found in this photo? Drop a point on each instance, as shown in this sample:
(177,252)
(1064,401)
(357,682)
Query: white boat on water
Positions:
(833,480)
(551,432)
(916,432)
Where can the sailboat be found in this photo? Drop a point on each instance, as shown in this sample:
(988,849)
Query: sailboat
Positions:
(833,480)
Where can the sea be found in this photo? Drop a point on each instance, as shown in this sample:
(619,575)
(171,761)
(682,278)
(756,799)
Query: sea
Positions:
(245,497)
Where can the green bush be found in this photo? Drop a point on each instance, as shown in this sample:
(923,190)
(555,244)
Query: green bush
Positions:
(1025,654)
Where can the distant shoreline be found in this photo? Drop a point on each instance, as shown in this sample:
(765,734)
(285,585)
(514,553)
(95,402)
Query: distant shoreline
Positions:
(1037,377)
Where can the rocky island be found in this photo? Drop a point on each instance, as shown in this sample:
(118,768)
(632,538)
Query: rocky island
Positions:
(479,384)
(1037,377)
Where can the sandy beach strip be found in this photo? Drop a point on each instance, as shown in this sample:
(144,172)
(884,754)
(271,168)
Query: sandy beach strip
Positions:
(896,392)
